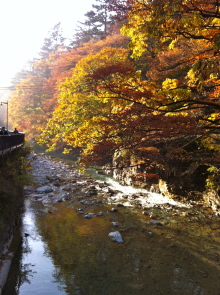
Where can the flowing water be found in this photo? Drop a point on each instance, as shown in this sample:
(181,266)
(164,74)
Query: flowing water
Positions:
(65,253)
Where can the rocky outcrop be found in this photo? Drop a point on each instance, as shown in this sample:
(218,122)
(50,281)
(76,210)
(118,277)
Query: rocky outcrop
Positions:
(212,199)
(131,170)
(185,180)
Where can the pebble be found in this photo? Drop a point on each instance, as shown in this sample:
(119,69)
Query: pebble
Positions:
(114,210)
(155,222)
(116,237)
(89,215)
(115,224)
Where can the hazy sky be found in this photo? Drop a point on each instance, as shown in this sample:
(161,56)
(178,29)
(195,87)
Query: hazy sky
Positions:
(25,23)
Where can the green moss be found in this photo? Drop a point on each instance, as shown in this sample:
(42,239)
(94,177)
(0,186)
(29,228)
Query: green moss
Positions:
(14,167)
(213,180)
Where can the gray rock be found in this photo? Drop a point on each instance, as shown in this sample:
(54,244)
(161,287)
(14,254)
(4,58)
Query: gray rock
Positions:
(59,200)
(91,192)
(83,202)
(115,224)
(29,190)
(44,189)
(89,215)
(155,222)
(113,210)
(116,237)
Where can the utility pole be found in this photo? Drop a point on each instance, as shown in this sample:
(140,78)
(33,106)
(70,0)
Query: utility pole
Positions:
(2,102)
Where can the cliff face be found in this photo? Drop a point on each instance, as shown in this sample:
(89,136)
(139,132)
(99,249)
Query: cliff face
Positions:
(177,179)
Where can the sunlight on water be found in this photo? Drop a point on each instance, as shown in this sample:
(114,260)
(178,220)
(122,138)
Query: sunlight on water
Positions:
(148,199)
(37,265)
(151,200)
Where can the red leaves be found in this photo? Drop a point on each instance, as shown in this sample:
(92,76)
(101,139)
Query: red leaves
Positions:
(117,68)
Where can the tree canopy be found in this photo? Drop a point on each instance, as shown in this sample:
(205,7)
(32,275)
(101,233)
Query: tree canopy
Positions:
(154,85)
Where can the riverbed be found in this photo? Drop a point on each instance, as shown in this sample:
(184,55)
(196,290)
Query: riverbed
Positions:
(82,236)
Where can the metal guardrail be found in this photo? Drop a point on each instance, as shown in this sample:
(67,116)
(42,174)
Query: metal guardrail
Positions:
(10,142)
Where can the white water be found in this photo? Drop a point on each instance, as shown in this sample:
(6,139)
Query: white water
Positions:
(145,198)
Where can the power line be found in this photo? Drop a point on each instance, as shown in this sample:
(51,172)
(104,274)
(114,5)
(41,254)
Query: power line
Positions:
(20,88)
(7,87)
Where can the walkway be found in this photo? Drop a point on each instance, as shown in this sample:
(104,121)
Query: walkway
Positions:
(11,142)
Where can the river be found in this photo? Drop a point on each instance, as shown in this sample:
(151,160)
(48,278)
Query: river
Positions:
(166,248)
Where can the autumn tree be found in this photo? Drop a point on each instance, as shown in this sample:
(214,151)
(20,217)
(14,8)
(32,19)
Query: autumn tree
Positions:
(28,108)
(85,102)
(157,100)
(60,66)
(183,39)
(106,106)
(176,25)
(64,62)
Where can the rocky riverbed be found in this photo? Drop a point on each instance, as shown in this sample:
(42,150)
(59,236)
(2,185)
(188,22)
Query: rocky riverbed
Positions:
(57,182)
(125,241)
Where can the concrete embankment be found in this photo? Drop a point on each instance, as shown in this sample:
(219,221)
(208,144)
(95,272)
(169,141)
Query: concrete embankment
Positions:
(7,256)
(13,175)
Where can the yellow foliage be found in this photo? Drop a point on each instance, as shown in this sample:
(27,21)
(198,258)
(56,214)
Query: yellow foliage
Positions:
(172,44)
(170,83)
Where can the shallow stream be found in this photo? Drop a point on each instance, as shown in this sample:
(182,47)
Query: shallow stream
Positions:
(62,252)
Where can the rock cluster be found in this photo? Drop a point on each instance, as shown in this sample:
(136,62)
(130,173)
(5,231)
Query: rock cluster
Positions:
(57,182)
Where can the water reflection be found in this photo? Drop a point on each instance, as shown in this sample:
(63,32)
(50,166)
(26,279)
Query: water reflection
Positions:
(35,266)
(65,253)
